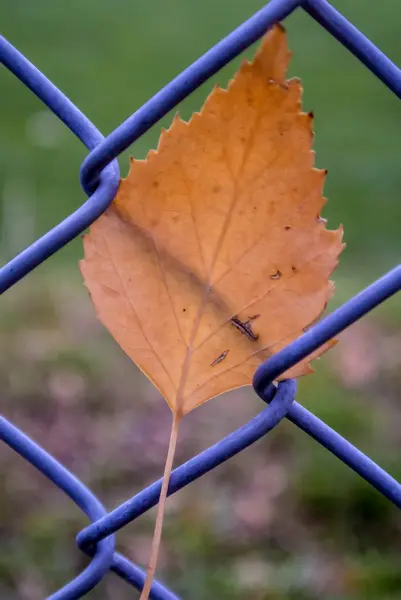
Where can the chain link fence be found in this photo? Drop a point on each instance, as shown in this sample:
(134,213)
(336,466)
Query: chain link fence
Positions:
(100,178)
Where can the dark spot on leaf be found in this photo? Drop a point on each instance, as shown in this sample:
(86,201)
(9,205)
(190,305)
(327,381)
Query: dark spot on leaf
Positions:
(276,275)
(245,327)
(155,184)
(184,310)
(219,358)
(294,269)
(287,227)
(216,189)
(283,126)
(311,114)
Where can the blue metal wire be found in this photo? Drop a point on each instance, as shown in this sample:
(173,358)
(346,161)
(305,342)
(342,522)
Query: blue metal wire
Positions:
(100,178)
(346,452)
(327,328)
(196,467)
(280,407)
(79,220)
(104,556)
(78,493)
(180,87)
(356,42)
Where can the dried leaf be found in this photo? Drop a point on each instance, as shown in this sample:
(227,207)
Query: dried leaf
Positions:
(219,227)
(213,255)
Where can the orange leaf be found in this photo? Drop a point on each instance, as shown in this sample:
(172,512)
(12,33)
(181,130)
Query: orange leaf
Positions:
(213,256)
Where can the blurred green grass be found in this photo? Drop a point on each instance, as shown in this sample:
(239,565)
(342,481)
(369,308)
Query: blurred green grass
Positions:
(326,533)
(110,61)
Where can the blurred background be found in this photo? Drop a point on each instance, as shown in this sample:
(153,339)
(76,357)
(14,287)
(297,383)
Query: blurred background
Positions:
(285,520)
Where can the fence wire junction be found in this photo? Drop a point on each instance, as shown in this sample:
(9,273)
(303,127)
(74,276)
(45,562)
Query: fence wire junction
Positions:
(100,177)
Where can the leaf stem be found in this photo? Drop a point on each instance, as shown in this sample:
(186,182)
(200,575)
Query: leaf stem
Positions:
(160,509)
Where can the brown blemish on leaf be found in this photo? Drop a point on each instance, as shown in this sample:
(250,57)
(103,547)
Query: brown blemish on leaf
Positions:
(219,359)
(276,275)
(245,327)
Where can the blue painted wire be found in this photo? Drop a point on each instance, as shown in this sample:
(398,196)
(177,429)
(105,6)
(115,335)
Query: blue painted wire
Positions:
(92,175)
(197,466)
(346,452)
(49,94)
(234,443)
(60,235)
(181,86)
(136,577)
(90,505)
(327,328)
(79,220)
(82,497)
(356,42)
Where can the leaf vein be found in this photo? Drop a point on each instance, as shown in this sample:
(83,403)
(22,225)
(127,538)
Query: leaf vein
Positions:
(135,313)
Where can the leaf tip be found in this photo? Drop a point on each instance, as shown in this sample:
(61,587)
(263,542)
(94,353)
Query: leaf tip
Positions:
(274,55)
(280,27)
